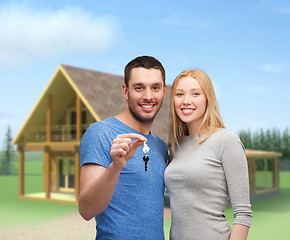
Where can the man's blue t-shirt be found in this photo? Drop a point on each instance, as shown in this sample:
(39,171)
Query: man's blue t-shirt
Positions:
(136,208)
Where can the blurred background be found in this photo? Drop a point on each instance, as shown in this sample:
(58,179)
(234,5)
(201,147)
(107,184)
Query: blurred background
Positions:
(242,45)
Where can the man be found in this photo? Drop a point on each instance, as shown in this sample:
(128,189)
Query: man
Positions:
(126,200)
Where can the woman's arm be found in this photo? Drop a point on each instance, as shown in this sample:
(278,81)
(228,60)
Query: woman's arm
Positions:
(236,172)
(239,232)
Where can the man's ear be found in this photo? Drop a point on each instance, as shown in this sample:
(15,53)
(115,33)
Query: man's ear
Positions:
(164,91)
(125,91)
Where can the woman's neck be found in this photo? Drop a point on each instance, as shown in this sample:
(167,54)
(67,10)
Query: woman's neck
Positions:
(192,129)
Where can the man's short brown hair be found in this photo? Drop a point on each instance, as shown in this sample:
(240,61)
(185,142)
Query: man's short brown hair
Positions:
(144,62)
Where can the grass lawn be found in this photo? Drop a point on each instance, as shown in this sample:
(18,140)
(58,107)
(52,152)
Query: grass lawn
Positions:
(16,211)
(271,215)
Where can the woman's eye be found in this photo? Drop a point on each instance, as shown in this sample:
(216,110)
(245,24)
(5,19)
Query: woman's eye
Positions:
(195,94)
(179,94)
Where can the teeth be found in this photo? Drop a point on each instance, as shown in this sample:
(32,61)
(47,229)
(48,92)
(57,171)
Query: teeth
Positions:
(147,106)
(187,110)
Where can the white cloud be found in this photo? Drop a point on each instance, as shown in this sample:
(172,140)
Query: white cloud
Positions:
(28,34)
(273,68)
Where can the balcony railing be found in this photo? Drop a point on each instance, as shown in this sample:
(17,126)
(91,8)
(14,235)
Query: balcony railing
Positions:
(59,133)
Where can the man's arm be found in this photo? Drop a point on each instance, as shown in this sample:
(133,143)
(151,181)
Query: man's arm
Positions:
(97,183)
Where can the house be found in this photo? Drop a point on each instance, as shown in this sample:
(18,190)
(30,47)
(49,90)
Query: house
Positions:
(73,99)
(263,169)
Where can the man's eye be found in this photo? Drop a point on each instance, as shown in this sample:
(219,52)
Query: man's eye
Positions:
(156,88)
(138,88)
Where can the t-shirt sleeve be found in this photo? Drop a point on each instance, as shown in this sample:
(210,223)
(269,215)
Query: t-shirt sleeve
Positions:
(235,166)
(95,145)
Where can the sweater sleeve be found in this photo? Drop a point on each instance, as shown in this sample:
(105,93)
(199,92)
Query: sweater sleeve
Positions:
(235,167)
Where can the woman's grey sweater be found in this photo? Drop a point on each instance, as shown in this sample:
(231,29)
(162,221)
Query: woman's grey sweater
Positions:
(200,180)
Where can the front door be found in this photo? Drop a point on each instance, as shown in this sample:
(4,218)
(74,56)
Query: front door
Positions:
(66,175)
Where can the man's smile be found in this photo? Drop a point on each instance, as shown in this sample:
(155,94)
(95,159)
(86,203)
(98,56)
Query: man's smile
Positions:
(147,106)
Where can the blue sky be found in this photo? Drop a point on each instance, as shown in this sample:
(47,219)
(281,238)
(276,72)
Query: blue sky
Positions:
(242,45)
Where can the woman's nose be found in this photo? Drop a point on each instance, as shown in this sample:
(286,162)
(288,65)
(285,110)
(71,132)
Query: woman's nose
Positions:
(186,99)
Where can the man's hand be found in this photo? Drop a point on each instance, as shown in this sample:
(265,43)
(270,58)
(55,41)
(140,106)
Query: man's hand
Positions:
(123,148)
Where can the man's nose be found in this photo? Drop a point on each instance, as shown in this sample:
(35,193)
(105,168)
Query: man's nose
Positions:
(148,95)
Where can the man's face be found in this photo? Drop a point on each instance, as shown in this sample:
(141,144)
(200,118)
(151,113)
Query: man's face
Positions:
(145,93)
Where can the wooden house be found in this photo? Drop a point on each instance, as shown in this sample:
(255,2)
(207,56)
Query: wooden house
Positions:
(73,99)
(263,172)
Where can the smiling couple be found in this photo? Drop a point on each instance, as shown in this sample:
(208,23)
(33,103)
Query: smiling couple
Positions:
(208,164)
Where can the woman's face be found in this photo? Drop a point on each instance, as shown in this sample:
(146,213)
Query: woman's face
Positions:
(190,102)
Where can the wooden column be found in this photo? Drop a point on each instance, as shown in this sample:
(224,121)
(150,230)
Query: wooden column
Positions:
(48,118)
(78,138)
(21,172)
(77,174)
(276,173)
(79,118)
(266,173)
(252,175)
(47,178)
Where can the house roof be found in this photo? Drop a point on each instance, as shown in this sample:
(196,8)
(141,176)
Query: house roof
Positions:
(100,92)
(255,154)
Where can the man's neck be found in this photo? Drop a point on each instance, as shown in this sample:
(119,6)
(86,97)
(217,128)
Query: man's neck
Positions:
(127,118)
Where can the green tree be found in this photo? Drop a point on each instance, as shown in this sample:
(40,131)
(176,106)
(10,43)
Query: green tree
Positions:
(7,155)
(268,139)
(262,140)
(246,138)
(249,139)
(242,137)
(256,140)
(276,140)
(285,144)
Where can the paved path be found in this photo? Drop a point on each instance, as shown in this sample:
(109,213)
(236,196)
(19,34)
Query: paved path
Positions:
(71,226)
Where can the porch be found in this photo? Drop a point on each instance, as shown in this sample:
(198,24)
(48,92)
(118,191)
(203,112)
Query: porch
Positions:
(54,197)
(263,167)
(57,177)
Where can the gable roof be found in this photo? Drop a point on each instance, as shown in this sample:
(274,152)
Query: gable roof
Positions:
(100,92)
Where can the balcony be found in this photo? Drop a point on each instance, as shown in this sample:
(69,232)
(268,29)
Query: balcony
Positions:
(59,133)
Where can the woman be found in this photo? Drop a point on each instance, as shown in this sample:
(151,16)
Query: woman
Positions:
(209,165)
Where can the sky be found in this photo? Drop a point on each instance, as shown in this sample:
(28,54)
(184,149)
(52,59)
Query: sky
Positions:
(244,47)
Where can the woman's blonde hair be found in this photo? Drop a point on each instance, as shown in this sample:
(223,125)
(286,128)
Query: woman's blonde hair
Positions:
(211,120)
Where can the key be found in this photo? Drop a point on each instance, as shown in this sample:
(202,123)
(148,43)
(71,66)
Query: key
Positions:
(146,159)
